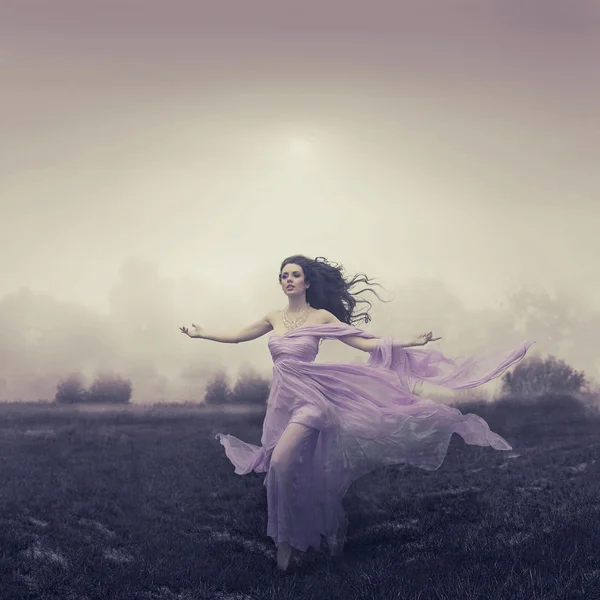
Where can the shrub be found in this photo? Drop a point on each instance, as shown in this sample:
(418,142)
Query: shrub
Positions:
(536,376)
(217,390)
(109,389)
(70,390)
(251,388)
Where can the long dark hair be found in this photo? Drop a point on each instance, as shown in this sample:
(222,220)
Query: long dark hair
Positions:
(330,290)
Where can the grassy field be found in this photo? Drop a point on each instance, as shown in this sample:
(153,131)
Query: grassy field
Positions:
(142,503)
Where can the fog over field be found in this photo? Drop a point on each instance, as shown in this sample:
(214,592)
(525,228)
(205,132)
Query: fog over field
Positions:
(159,160)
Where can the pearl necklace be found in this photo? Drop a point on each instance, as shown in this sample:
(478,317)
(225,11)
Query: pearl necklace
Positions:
(298,321)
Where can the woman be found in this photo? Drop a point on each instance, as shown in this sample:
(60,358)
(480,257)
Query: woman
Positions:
(329,423)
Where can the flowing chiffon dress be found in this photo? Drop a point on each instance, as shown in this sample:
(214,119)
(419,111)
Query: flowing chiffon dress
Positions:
(329,423)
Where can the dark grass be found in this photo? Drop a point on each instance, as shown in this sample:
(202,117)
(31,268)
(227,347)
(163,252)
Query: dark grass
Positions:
(144,504)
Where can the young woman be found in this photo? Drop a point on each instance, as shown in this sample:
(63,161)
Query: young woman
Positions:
(329,423)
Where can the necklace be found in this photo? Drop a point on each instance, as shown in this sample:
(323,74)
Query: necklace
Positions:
(298,321)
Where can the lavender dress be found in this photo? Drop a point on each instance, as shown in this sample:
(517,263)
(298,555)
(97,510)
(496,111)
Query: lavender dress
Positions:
(352,418)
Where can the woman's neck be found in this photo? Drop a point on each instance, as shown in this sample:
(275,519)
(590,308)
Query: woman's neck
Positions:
(297,305)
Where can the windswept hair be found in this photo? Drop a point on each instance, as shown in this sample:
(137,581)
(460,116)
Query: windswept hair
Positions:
(330,290)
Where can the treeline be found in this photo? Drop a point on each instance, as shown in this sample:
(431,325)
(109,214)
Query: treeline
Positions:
(106,389)
(531,377)
(250,388)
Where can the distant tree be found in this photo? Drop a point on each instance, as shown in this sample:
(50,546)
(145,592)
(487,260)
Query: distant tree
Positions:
(217,390)
(551,320)
(109,389)
(536,376)
(70,390)
(251,388)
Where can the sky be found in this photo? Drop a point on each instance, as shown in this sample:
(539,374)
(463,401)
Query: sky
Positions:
(450,141)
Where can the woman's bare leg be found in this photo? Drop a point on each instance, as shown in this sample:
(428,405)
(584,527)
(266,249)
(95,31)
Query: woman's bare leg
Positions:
(289,468)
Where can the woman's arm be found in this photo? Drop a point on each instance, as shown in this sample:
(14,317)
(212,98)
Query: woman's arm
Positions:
(253,331)
(367,344)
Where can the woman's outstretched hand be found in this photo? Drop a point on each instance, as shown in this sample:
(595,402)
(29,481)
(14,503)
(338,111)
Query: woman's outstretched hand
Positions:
(195,333)
(425,338)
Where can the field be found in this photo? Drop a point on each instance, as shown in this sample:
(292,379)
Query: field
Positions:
(143,504)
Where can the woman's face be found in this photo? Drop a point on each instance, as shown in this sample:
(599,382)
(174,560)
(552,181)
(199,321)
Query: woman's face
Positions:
(292,280)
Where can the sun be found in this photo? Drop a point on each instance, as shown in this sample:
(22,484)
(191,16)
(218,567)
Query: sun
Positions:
(300,146)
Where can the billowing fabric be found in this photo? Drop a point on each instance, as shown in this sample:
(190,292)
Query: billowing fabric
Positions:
(329,423)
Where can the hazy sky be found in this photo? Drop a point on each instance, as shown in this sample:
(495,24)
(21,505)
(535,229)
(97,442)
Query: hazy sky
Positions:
(456,141)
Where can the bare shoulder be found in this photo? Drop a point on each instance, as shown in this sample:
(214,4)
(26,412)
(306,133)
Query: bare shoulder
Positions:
(326,317)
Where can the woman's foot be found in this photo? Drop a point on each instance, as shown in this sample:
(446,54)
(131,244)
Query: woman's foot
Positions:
(284,555)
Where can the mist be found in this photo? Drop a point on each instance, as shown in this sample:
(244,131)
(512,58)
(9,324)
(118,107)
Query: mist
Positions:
(45,339)
(157,165)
